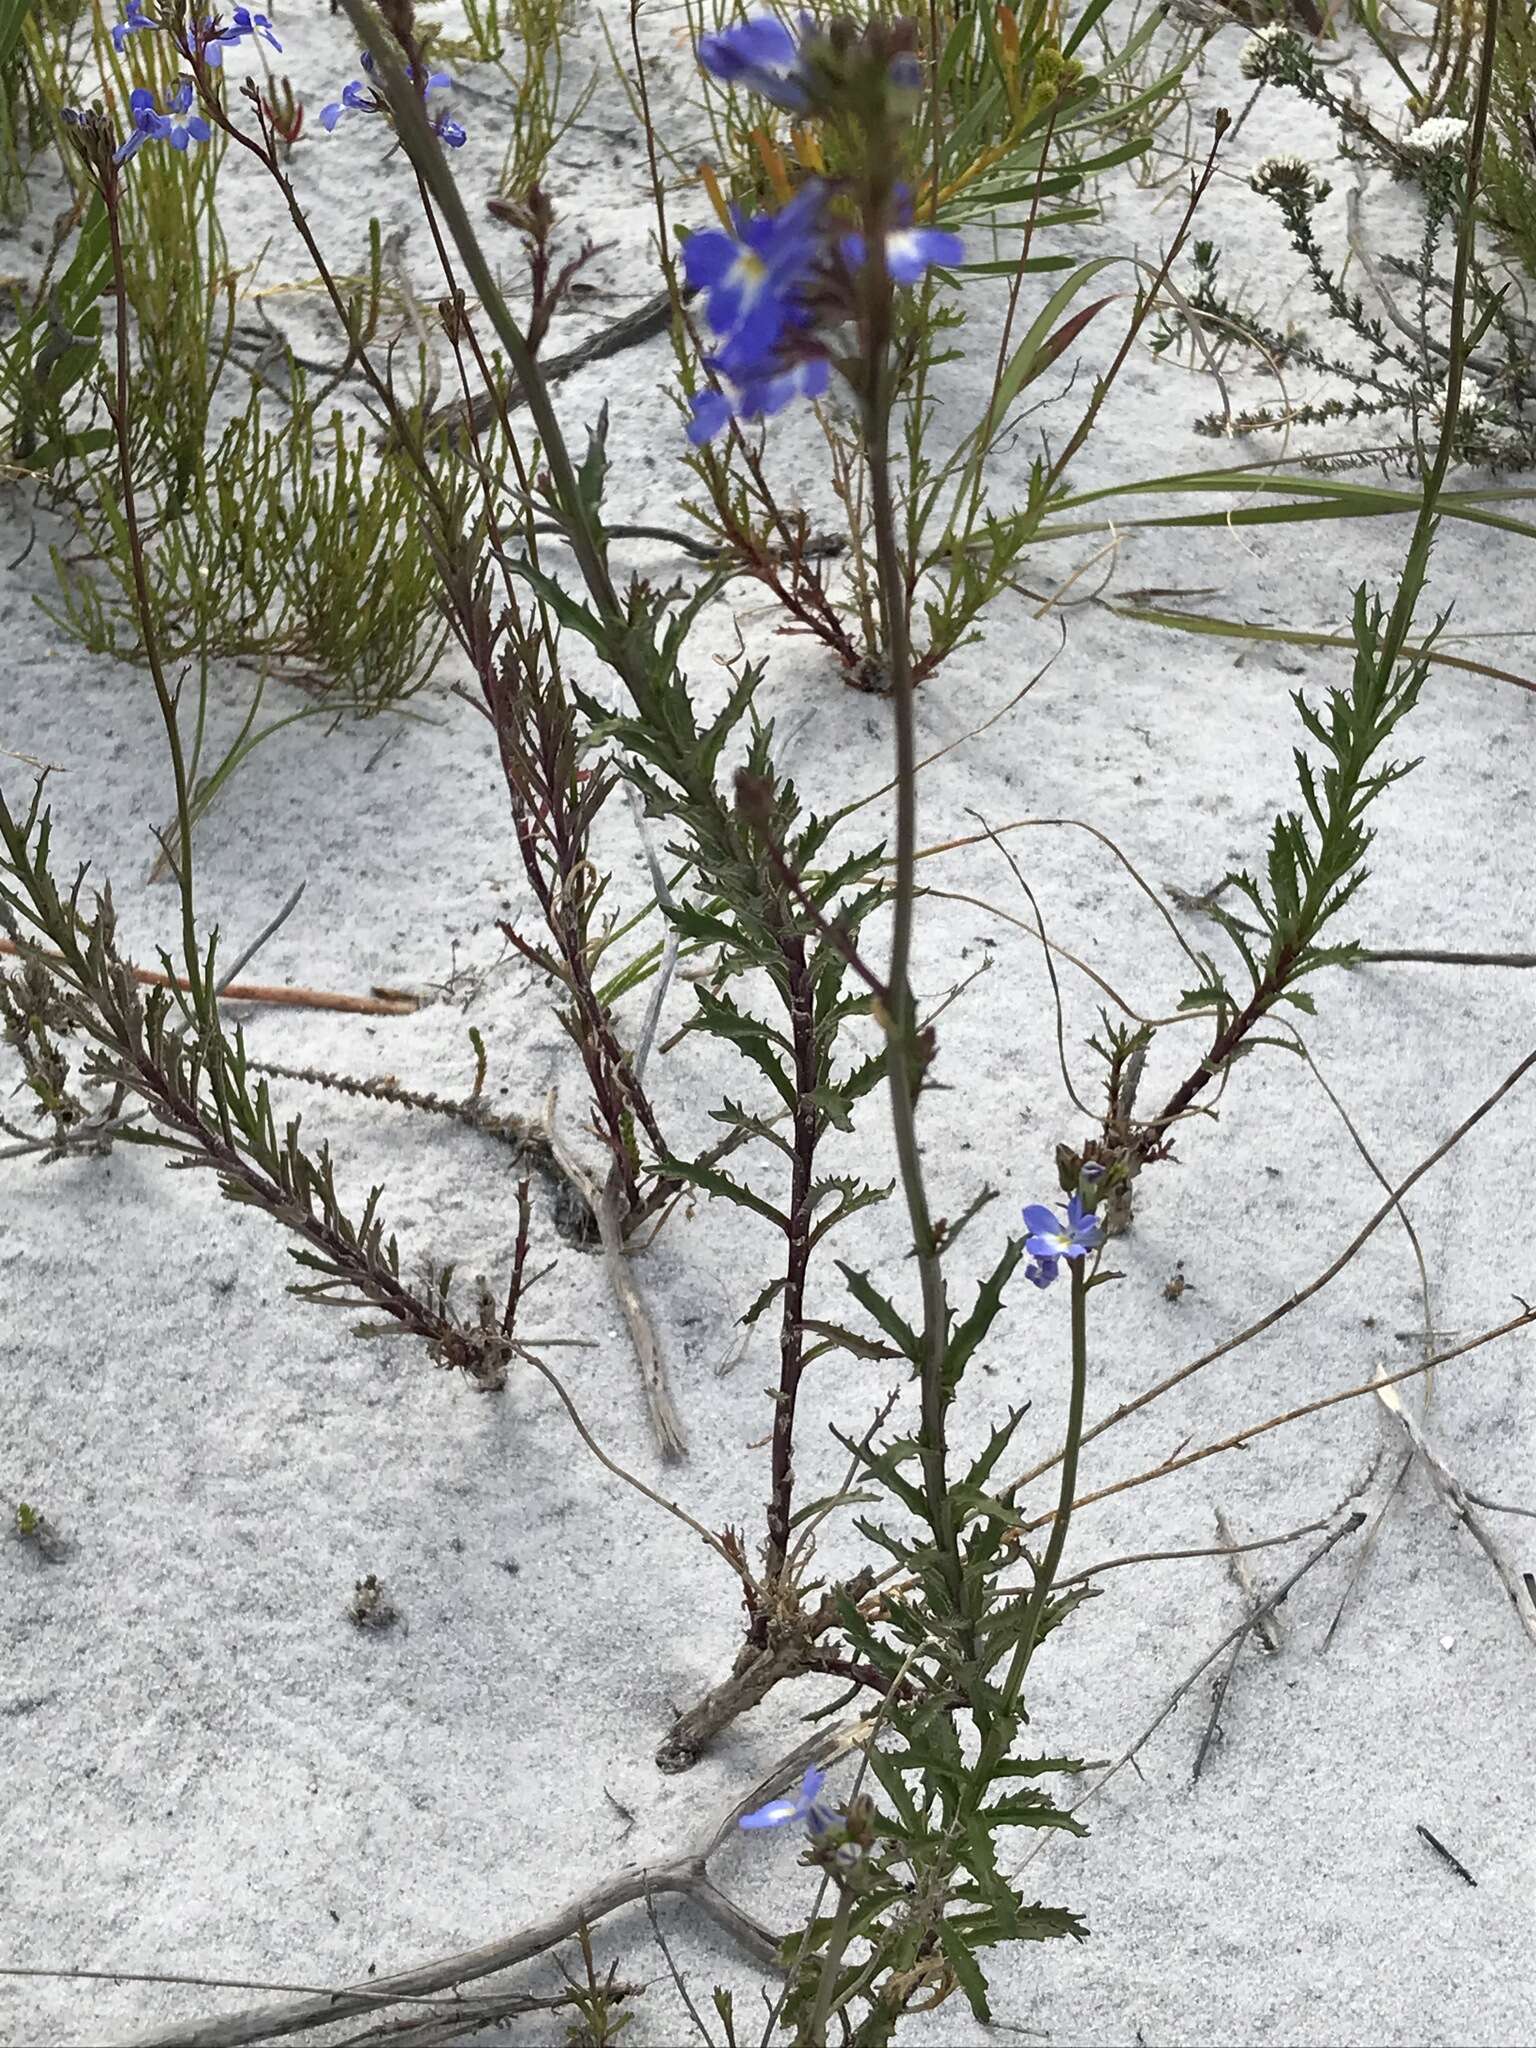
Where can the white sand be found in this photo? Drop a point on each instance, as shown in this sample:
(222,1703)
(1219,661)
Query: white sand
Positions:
(208,1770)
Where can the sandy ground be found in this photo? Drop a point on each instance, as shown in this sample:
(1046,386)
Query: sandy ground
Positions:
(208,1770)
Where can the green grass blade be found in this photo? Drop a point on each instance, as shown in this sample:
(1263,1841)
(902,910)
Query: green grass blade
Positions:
(1293,636)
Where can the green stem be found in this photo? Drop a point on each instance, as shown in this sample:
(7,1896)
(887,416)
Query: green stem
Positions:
(1050,1564)
(1400,622)
(164,697)
(903,1062)
(999,1735)
(583,530)
(815,2034)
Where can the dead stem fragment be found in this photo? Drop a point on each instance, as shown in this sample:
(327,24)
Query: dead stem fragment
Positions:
(686,1874)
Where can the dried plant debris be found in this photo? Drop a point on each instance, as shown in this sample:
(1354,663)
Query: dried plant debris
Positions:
(371,1607)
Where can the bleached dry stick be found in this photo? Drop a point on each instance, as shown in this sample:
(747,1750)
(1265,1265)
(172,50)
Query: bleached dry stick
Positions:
(604,1204)
(1266,1626)
(1234,1636)
(686,1874)
(665,1420)
(1452,1492)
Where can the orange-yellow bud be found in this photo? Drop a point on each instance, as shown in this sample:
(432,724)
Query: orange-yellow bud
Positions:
(773,164)
(808,149)
(711,184)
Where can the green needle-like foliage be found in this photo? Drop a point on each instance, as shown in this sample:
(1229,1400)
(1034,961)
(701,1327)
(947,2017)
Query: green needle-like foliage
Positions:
(168,1050)
(297,548)
(1316,859)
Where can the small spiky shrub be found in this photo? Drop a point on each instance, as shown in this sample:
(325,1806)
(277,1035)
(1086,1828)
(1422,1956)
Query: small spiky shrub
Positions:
(811,928)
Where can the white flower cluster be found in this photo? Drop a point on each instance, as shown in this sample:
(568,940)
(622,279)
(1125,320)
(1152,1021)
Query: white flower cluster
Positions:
(1282,170)
(1252,57)
(1471,403)
(1442,136)
(1287,177)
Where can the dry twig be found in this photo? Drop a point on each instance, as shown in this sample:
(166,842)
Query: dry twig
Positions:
(686,1873)
(1234,1637)
(1452,1492)
(393,1005)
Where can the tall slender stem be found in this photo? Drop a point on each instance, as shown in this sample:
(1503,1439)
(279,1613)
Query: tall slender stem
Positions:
(1050,1564)
(997,1734)
(814,2032)
(904,1055)
(120,410)
(583,530)
(801,1000)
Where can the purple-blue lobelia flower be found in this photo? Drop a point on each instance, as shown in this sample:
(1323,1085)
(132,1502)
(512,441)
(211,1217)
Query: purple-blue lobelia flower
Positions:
(357,98)
(211,39)
(757,398)
(151,125)
(770,281)
(219,38)
(751,278)
(763,56)
(134,21)
(819,1814)
(910,253)
(1050,1240)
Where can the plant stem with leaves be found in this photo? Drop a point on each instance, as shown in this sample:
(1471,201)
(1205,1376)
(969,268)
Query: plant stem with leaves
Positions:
(170,1050)
(1316,861)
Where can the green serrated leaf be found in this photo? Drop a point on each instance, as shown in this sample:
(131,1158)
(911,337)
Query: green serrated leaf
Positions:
(989,1301)
(874,1303)
(592,476)
(967,1970)
(848,1340)
(720,1185)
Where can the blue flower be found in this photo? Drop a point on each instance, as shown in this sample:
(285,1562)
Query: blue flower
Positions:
(762,55)
(906,74)
(769,282)
(1050,1239)
(209,40)
(132,22)
(819,1815)
(435,78)
(150,125)
(255,25)
(244,23)
(750,278)
(910,253)
(1041,1272)
(357,98)
(757,398)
